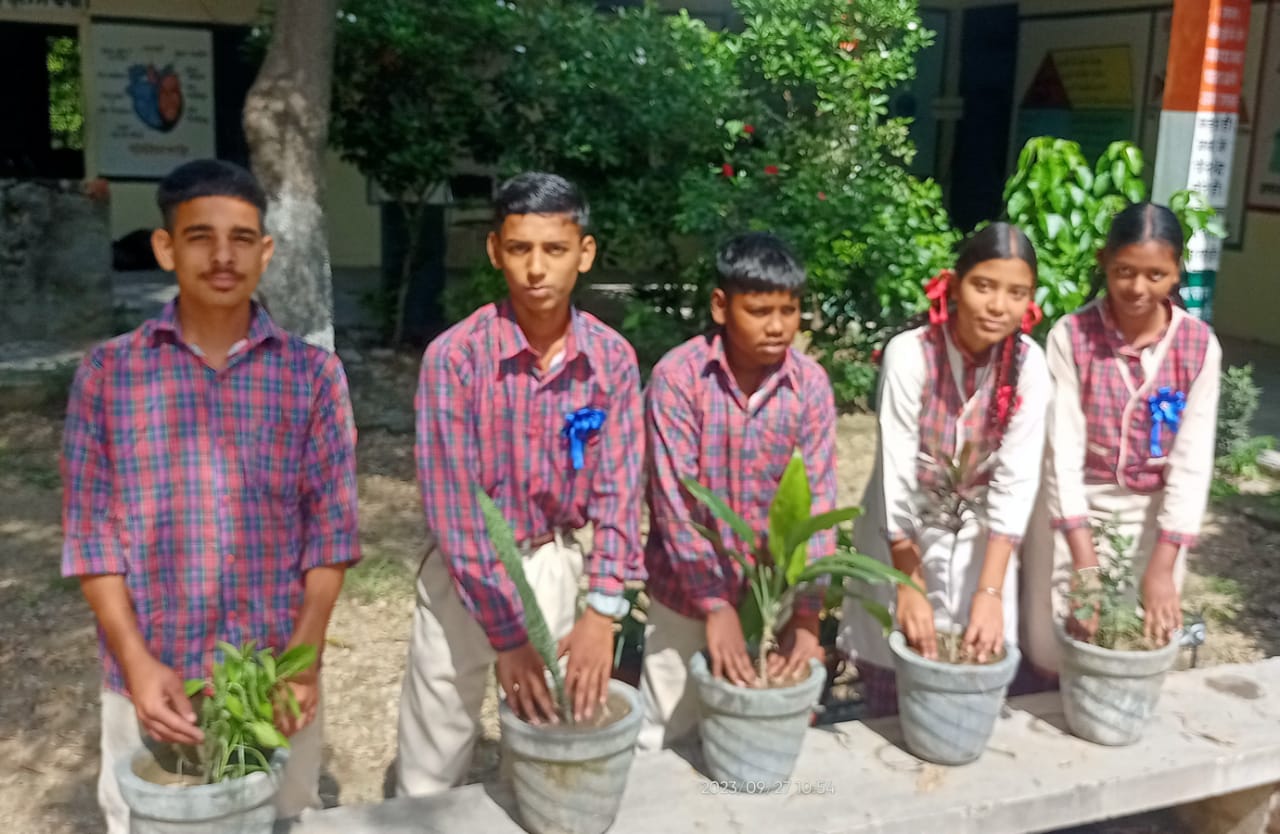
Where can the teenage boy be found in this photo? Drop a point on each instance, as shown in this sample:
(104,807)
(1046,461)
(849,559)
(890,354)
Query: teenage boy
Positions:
(538,404)
(209,488)
(727,409)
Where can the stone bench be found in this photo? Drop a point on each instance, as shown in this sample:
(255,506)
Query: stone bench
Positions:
(1213,747)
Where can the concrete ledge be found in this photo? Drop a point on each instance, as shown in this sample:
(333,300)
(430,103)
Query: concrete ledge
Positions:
(1216,732)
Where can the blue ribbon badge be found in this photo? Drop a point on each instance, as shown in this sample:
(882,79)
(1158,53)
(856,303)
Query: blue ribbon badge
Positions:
(578,426)
(1166,410)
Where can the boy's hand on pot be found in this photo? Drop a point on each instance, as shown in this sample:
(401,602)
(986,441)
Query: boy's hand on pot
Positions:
(915,618)
(798,645)
(1161,606)
(985,635)
(727,647)
(1078,625)
(590,649)
(522,676)
(161,702)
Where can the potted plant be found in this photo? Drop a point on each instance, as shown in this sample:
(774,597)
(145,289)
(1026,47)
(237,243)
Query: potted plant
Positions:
(751,736)
(568,778)
(228,783)
(948,707)
(1110,685)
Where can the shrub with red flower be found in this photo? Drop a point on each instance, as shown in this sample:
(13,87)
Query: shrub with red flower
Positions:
(726,169)
(748,129)
(771,170)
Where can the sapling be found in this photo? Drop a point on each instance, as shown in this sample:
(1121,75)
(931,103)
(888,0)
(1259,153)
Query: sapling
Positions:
(239,705)
(1110,593)
(776,567)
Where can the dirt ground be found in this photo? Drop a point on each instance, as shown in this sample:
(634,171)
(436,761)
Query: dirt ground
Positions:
(48,704)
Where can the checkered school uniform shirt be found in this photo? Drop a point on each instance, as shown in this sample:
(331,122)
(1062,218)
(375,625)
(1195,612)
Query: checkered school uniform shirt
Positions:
(701,426)
(486,416)
(1108,392)
(212,492)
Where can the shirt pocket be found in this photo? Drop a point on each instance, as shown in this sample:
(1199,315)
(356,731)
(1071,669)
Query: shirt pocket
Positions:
(276,464)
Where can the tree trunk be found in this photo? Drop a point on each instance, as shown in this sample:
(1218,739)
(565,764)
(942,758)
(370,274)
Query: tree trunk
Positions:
(286,121)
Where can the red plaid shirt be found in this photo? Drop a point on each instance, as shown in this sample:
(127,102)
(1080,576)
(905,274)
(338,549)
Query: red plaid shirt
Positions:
(486,415)
(212,492)
(701,426)
(1113,392)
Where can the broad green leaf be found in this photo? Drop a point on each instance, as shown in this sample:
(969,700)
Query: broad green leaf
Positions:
(1118,171)
(1054,225)
(815,524)
(234,706)
(267,735)
(1102,184)
(879,612)
(790,507)
(295,660)
(722,511)
(504,545)
(750,618)
(194,687)
(857,566)
(1133,157)
(230,651)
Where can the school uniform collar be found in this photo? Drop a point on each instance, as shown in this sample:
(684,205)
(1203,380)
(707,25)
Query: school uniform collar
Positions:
(788,371)
(167,328)
(512,343)
(971,361)
(1116,338)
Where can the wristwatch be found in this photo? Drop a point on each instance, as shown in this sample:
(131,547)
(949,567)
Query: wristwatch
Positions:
(614,606)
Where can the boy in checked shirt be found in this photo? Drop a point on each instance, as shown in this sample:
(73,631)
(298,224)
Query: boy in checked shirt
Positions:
(538,404)
(209,485)
(727,409)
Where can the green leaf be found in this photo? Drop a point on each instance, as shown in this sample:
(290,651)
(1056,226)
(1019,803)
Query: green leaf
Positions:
(234,706)
(879,612)
(855,566)
(788,510)
(818,523)
(504,545)
(750,618)
(194,687)
(297,659)
(748,568)
(230,651)
(1133,157)
(267,735)
(1135,191)
(722,511)
(1118,172)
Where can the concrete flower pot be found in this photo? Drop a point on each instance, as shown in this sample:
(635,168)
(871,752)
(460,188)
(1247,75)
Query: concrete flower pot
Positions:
(948,710)
(569,780)
(243,806)
(751,737)
(1108,695)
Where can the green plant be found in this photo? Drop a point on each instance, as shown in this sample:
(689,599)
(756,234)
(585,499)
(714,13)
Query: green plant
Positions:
(463,296)
(653,331)
(777,567)
(1065,206)
(1110,593)
(540,637)
(238,707)
(1237,403)
(853,380)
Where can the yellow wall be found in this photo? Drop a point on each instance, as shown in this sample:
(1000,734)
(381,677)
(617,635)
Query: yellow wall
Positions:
(1248,296)
(355,227)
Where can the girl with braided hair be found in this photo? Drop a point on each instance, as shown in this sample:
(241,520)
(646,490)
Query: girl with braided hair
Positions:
(962,406)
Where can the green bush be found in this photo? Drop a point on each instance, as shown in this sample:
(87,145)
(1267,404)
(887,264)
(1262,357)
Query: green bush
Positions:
(464,294)
(1237,403)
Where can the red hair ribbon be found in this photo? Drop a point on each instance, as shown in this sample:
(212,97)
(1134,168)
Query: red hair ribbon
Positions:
(1032,317)
(936,291)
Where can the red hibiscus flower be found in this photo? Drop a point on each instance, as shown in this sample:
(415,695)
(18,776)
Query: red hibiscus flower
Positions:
(822,195)
(727,169)
(849,46)
(748,129)
(771,170)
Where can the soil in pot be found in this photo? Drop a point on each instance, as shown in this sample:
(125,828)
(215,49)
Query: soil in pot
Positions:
(951,650)
(615,708)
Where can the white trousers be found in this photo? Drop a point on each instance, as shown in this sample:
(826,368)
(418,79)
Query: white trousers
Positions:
(122,735)
(670,702)
(1047,567)
(449,661)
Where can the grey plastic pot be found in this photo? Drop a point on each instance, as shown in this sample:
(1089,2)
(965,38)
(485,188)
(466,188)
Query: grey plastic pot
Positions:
(948,710)
(1108,696)
(752,737)
(571,781)
(243,806)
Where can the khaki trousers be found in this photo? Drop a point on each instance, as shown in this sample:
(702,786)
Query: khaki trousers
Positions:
(670,702)
(122,735)
(449,661)
(1047,567)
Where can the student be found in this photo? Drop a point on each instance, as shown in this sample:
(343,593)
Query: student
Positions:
(1112,362)
(209,486)
(971,378)
(728,409)
(539,404)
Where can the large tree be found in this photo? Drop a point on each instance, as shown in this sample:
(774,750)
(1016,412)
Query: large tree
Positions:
(286,121)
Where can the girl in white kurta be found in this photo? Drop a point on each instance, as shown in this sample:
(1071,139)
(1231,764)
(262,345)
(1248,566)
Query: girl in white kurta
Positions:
(971,377)
(1115,363)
